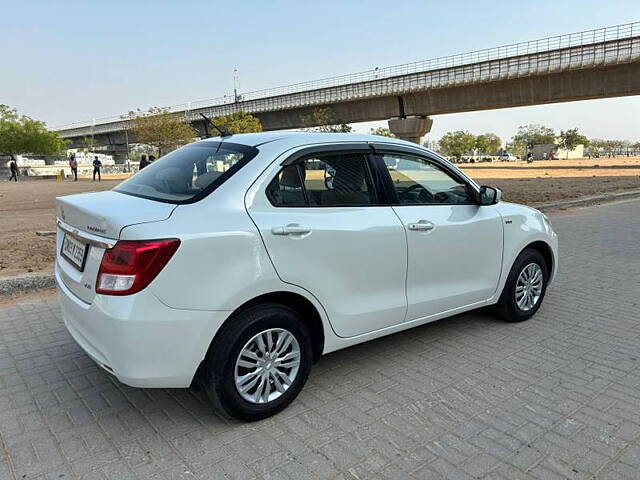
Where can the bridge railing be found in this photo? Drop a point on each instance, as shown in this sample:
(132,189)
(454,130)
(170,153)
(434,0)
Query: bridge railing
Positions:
(558,42)
(524,48)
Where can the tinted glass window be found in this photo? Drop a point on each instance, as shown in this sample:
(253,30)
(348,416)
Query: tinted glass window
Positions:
(338,180)
(324,181)
(287,189)
(418,181)
(188,173)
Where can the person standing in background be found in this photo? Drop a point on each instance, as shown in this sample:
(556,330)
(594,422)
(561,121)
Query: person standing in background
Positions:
(143,161)
(13,166)
(73,163)
(97,164)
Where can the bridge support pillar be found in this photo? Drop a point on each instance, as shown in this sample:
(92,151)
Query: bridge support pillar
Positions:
(119,158)
(411,129)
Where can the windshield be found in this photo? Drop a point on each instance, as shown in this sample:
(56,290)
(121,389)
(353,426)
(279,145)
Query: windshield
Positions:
(188,174)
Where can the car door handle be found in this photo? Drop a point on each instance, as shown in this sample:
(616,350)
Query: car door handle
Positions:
(421,226)
(290,230)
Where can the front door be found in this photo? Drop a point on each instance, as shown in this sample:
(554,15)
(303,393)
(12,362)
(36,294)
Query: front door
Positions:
(455,245)
(326,231)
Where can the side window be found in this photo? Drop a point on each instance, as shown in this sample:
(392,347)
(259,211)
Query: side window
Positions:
(418,181)
(286,189)
(339,180)
(324,181)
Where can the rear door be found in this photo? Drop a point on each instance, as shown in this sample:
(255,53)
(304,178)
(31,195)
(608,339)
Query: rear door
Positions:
(328,231)
(455,245)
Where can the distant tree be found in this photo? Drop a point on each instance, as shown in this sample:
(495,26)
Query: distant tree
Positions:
(21,134)
(323,120)
(456,144)
(530,135)
(570,139)
(517,149)
(238,122)
(381,131)
(625,147)
(610,147)
(635,148)
(488,143)
(620,146)
(8,114)
(160,129)
(596,146)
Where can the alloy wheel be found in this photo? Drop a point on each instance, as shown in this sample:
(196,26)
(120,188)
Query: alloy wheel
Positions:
(529,287)
(267,365)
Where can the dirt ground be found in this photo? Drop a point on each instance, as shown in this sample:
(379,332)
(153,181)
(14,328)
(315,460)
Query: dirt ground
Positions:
(27,207)
(601,162)
(537,191)
(558,169)
(482,173)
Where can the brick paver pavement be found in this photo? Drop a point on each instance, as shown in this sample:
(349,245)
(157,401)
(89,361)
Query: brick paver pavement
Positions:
(467,397)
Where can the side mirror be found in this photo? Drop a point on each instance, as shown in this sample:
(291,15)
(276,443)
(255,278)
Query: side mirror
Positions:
(489,195)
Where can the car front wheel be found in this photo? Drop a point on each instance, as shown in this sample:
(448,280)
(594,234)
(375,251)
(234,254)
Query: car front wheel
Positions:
(525,287)
(260,362)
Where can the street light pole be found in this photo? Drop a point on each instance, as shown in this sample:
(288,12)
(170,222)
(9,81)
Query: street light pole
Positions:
(126,139)
(236,84)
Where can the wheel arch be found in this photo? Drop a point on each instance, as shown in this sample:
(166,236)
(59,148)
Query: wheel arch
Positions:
(540,245)
(307,310)
(547,253)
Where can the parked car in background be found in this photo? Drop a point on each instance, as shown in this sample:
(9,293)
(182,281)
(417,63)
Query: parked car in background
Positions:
(508,157)
(235,263)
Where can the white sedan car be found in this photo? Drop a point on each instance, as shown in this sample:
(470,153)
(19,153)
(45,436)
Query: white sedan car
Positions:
(508,157)
(234,263)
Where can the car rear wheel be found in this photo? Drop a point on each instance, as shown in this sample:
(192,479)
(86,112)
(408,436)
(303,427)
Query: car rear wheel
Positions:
(525,287)
(259,363)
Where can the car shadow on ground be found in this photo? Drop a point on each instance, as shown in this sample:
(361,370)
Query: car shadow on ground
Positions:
(377,365)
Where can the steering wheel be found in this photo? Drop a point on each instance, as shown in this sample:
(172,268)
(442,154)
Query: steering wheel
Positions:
(425,196)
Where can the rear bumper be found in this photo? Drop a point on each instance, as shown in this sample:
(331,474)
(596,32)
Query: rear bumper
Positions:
(138,339)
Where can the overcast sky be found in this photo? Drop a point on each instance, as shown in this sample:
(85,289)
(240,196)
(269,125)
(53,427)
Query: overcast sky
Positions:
(65,61)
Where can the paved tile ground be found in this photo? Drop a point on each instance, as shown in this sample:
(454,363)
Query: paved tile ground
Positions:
(468,397)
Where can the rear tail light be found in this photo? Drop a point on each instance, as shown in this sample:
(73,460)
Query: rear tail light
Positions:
(131,265)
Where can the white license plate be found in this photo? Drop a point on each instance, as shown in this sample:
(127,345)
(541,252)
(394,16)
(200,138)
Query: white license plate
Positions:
(74,251)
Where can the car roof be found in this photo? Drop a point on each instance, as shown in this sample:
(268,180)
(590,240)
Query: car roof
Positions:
(292,139)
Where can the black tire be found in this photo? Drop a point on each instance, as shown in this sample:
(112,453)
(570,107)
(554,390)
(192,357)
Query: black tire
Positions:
(219,378)
(507,306)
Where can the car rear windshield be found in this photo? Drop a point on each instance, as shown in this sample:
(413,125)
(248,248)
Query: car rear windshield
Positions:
(188,174)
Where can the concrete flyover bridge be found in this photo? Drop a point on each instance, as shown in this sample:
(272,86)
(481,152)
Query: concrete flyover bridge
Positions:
(598,63)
